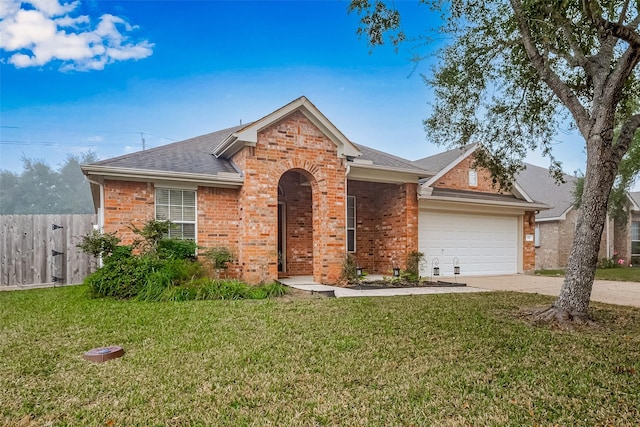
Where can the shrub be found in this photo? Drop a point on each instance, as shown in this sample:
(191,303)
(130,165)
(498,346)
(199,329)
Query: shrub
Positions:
(152,232)
(607,263)
(349,268)
(219,257)
(177,249)
(122,276)
(412,273)
(165,270)
(99,244)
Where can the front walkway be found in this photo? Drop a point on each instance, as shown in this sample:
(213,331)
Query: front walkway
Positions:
(306,283)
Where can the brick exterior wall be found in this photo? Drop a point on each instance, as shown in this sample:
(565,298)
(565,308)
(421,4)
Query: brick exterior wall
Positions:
(293,143)
(386,224)
(127,202)
(458,178)
(556,238)
(218,222)
(528,247)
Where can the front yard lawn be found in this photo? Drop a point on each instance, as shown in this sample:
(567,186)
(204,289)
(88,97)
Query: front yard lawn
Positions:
(623,274)
(450,359)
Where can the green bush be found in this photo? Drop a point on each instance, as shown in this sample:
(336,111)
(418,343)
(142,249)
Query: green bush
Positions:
(144,277)
(412,273)
(219,257)
(162,289)
(122,277)
(349,268)
(165,270)
(607,263)
(98,243)
(177,249)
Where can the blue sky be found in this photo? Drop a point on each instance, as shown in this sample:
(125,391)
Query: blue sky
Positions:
(102,75)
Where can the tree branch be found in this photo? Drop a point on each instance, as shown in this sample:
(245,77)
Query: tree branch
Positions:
(622,32)
(627,133)
(554,82)
(578,54)
(618,77)
(623,14)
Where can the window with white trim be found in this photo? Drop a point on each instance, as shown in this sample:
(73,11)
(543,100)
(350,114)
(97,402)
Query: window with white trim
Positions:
(635,238)
(179,207)
(536,236)
(473,178)
(351,223)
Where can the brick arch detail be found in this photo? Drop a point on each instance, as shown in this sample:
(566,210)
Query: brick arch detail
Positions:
(310,170)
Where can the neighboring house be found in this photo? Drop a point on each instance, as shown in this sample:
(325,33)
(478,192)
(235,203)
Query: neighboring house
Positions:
(555,228)
(289,194)
(628,235)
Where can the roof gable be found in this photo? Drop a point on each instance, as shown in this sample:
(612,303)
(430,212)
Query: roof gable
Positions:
(248,135)
(444,162)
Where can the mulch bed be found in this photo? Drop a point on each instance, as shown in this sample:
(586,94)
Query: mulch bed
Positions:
(383,284)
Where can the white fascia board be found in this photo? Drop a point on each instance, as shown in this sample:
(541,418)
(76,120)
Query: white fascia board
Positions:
(562,217)
(376,173)
(519,191)
(222,179)
(556,218)
(484,202)
(230,144)
(451,165)
(634,205)
(248,136)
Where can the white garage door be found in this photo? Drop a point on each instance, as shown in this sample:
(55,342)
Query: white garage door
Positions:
(483,244)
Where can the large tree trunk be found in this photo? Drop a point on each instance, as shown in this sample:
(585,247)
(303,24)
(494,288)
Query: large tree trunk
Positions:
(575,294)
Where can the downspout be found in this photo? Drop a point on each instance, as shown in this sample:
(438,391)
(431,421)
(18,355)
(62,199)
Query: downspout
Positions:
(100,210)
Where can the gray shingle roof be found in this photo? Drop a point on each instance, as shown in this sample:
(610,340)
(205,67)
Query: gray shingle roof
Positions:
(380,158)
(194,156)
(540,186)
(189,156)
(439,161)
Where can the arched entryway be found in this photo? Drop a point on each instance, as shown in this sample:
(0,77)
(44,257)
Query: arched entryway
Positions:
(295,223)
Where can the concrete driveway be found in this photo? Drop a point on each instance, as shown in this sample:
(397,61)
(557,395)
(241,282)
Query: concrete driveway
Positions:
(620,293)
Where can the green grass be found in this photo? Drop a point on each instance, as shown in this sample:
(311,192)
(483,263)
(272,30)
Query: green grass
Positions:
(619,274)
(452,359)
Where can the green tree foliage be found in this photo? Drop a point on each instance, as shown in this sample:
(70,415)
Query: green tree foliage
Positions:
(38,189)
(512,72)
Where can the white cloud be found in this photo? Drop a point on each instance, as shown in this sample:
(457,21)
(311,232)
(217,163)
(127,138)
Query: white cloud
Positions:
(45,32)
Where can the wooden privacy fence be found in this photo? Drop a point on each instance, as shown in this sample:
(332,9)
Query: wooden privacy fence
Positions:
(41,249)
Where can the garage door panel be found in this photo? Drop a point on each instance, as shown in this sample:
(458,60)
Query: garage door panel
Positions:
(482,244)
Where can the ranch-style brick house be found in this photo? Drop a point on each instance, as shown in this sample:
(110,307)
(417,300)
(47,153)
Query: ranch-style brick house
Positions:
(291,195)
